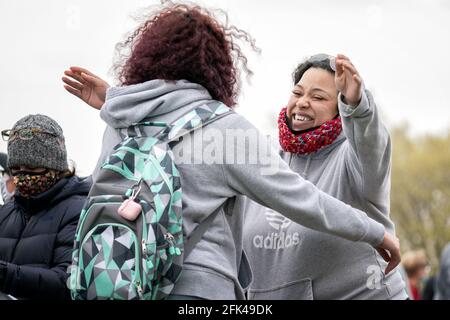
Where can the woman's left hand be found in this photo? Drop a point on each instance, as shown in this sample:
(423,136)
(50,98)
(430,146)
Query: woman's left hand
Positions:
(348,81)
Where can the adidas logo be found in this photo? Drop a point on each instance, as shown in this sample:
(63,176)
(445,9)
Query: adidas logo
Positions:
(276,220)
(279,239)
(275,240)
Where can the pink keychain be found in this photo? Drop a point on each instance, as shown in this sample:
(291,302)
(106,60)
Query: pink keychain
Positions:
(130,209)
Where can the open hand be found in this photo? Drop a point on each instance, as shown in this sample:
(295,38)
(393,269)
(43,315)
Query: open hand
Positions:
(348,81)
(390,251)
(85,85)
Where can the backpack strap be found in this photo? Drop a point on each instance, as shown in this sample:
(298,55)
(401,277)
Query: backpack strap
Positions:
(137,129)
(194,119)
(197,234)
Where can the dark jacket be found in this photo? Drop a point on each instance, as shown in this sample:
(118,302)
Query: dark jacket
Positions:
(443,280)
(36,240)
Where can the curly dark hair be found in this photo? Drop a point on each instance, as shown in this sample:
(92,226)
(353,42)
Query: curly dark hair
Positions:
(185,41)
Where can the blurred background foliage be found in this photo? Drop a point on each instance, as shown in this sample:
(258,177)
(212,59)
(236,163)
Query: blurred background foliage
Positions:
(420,194)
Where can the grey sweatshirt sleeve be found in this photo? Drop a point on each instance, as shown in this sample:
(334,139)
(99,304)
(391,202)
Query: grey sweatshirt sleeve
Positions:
(369,155)
(286,192)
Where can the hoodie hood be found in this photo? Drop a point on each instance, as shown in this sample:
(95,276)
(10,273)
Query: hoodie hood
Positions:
(127,105)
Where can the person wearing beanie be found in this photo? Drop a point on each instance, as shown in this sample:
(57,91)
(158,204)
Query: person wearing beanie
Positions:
(6,183)
(37,227)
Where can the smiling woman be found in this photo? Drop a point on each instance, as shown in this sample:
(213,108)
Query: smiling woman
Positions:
(313,100)
(314,97)
(312,110)
(331,134)
(181,58)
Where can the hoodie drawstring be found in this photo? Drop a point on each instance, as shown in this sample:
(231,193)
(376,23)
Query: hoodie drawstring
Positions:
(305,172)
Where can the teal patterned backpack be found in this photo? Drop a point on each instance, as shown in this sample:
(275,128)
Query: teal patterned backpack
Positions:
(137,255)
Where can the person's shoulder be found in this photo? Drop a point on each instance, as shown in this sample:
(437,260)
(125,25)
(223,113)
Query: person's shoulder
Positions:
(71,209)
(77,190)
(232,120)
(77,187)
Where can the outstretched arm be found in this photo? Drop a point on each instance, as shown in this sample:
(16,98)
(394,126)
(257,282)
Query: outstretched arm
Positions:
(85,85)
(289,194)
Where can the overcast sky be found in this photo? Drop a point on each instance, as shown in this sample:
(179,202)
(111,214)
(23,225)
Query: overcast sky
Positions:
(401,48)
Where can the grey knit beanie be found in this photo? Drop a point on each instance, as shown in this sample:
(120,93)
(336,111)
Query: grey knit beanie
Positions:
(45,149)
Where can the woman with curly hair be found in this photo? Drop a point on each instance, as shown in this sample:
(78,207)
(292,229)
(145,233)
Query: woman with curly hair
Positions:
(183,57)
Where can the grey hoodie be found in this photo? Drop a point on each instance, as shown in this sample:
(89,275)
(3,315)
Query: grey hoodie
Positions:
(300,263)
(217,267)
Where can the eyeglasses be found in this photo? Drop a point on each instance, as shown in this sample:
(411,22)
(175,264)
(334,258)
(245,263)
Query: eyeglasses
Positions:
(324,57)
(29,171)
(23,134)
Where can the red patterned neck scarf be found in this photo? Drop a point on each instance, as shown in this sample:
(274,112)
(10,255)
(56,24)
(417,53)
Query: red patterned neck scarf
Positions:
(309,141)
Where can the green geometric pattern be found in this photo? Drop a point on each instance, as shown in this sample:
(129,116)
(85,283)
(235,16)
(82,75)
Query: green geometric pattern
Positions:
(108,263)
(126,260)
